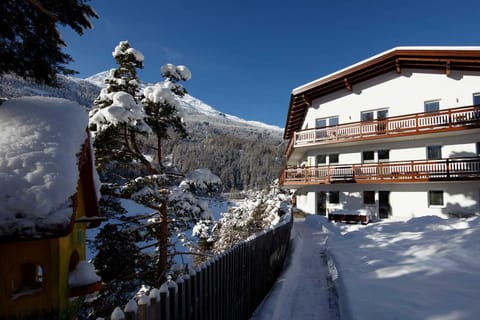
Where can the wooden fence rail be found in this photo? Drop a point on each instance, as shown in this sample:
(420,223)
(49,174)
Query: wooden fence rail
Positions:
(228,286)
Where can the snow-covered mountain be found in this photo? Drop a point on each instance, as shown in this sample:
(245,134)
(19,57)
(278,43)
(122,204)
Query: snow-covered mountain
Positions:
(197,114)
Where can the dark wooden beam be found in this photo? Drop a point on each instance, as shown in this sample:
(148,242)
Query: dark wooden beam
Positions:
(397,66)
(347,84)
(307,100)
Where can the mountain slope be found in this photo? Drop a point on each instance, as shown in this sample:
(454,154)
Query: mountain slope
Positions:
(201,115)
(245,154)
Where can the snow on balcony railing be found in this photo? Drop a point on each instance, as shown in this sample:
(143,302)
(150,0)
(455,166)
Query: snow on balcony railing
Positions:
(415,170)
(427,122)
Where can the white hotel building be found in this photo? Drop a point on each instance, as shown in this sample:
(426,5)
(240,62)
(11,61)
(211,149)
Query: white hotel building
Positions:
(396,135)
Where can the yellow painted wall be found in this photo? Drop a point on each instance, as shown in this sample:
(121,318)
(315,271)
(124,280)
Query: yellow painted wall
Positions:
(54,257)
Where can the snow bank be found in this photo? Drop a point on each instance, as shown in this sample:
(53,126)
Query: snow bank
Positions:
(83,274)
(202,180)
(40,141)
(423,268)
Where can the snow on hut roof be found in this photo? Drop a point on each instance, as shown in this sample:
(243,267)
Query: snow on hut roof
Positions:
(41,140)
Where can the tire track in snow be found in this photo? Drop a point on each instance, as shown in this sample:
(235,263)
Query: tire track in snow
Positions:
(304,290)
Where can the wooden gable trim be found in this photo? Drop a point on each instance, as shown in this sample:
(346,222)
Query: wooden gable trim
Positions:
(444,60)
(92,208)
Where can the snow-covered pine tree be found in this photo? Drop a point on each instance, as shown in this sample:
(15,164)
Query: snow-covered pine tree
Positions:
(117,119)
(261,210)
(161,104)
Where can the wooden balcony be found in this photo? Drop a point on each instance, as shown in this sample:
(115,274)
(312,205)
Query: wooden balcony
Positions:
(420,123)
(458,169)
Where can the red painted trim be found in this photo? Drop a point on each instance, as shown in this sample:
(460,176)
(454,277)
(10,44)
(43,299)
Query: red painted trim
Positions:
(86,289)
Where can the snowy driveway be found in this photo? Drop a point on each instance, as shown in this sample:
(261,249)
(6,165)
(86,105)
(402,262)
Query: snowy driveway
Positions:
(303,290)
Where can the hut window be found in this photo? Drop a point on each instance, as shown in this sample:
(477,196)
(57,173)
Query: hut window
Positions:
(32,275)
(32,279)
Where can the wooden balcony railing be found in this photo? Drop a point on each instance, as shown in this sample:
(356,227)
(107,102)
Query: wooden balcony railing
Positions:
(419,123)
(385,172)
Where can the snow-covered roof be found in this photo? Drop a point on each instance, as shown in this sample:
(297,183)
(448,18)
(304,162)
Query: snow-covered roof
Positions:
(435,59)
(311,84)
(41,140)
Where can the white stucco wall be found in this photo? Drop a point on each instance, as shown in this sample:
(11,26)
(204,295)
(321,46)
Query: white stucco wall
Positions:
(401,94)
(406,200)
(306,202)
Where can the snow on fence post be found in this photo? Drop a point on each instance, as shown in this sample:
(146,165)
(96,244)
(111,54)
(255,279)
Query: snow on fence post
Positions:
(164,301)
(172,298)
(234,279)
(117,314)
(213,269)
(244,281)
(193,294)
(186,297)
(210,288)
(198,293)
(213,291)
(143,307)
(131,309)
(203,291)
(154,303)
(180,298)
(221,285)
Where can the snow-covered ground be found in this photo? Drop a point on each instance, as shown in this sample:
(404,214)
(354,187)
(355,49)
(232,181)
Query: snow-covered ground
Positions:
(423,268)
(301,291)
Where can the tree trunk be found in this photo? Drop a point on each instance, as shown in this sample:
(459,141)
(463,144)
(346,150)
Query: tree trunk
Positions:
(137,153)
(159,151)
(162,259)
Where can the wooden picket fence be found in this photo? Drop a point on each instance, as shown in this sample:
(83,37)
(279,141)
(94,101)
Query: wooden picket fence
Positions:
(228,286)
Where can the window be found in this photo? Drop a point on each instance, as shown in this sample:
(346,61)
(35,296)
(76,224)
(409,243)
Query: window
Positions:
(371,115)
(325,122)
(320,123)
(382,114)
(434,152)
(333,158)
(366,116)
(334,197)
(478,149)
(333,121)
(321,159)
(432,106)
(31,280)
(435,198)
(368,156)
(368,197)
(32,275)
(476,98)
(383,155)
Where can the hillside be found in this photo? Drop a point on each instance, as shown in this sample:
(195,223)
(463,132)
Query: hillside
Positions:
(245,154)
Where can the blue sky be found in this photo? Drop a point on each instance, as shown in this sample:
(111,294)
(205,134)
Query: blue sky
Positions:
(246,56)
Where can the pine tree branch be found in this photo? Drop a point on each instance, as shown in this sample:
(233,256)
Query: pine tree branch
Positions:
(140,156)
(38,6)
(190,253)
